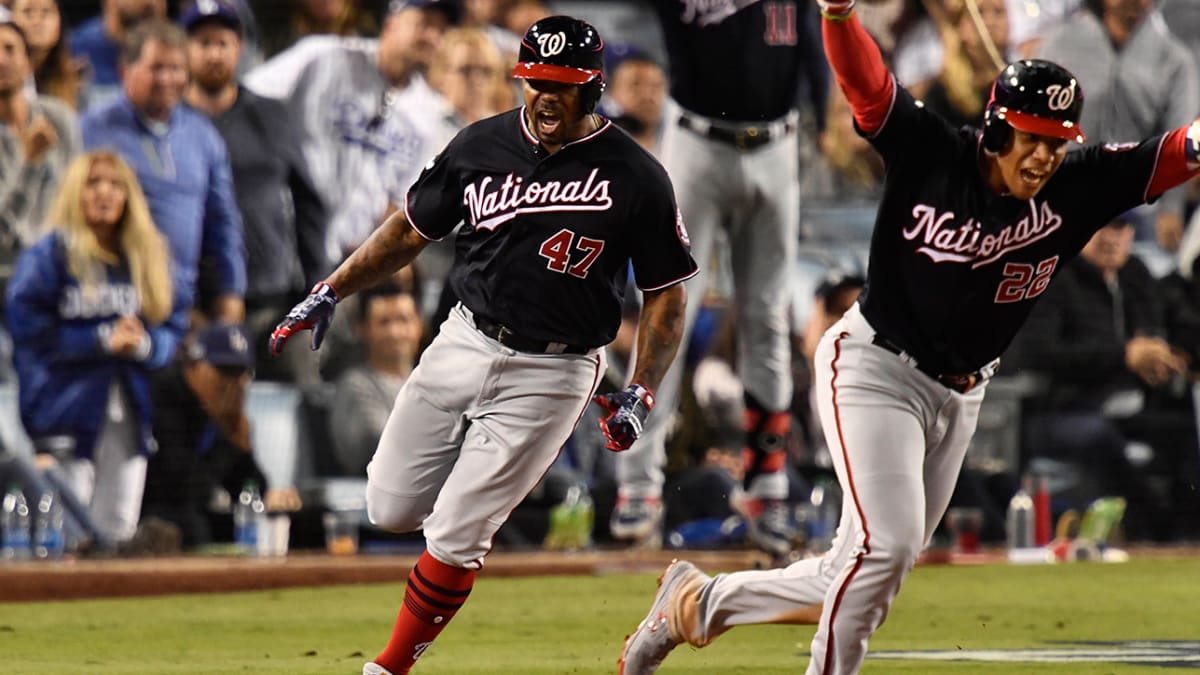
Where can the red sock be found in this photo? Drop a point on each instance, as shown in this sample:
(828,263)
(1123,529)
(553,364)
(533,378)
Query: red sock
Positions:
(434,593)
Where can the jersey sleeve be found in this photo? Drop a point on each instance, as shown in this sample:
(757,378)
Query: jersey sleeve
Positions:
(433,205)
(909,130)
(1116,176)
(661,250)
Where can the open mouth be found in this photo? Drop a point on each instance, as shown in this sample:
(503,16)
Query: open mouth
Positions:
(548,122)
(1033,178)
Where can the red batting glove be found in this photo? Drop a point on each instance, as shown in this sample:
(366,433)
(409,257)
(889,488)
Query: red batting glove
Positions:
(627,411)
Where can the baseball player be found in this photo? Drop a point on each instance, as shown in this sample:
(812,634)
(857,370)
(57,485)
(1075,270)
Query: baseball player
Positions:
(971,228)
(556,202)
(730,145)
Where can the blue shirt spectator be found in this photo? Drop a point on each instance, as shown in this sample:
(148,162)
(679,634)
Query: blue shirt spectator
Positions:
(97,43)
(181,163)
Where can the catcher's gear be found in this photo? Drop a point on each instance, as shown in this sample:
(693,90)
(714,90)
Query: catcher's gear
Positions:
(564,49)
(627,411)
(1035,96)
(315,312)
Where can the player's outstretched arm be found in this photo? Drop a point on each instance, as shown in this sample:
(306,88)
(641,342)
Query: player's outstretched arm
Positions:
(659,330)
(392,246)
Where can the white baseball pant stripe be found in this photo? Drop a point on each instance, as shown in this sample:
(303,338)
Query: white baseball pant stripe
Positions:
(755,198)
(474,429)
(898,439)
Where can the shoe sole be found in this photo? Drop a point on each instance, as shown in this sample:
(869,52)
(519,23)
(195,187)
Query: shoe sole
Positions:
(652,615)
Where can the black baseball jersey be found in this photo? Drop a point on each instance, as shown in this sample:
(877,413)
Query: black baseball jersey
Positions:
(547,239)
(738,60)
(956,268)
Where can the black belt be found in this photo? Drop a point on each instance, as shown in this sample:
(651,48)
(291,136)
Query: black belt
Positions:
(962,383)
(502,334)
(744,138)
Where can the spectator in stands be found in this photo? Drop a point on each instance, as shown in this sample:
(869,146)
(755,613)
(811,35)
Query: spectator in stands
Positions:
(369,120)
(182,165)
(522,14)
(55,72)
(286,22)
(202,431)
(470,73)
(1139,81)
(1098,338)
(390,328)
(637,88)
(972,55)
(97,43)
(39,136)
(489,16)
(284,218)
(92,312)
(847,172)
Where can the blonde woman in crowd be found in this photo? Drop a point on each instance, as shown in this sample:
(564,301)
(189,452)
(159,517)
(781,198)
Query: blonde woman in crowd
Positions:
(469,72)
(92,311)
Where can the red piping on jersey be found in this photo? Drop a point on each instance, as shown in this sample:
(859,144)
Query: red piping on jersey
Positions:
(685,277)
(866,545)
(1171,164)
(413,224)
(860,72)
(586,403)
(534,140)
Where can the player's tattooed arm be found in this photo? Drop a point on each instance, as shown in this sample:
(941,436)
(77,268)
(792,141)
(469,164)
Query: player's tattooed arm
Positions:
(660,329)
(393,245)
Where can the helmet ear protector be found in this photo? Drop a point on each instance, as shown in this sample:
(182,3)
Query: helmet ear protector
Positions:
(1037,97)
(564,49)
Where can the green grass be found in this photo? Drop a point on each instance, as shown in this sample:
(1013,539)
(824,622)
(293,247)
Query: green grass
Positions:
(557,625)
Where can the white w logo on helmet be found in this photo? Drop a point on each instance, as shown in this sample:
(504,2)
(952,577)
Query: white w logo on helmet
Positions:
(551,44)
(1060,97)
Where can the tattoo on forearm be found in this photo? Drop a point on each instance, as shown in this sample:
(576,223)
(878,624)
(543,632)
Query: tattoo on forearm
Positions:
(392,246)
(659,333)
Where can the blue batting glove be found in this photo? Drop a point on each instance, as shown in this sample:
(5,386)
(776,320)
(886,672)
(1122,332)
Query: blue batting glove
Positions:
(627,411)
(315,313)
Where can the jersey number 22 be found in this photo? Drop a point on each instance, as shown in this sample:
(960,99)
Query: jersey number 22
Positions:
(1023,281)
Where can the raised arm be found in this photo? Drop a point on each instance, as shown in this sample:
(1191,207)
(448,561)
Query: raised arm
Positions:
(857,64)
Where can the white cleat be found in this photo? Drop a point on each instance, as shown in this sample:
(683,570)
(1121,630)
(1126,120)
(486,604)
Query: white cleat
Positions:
(647,647)
(373,668)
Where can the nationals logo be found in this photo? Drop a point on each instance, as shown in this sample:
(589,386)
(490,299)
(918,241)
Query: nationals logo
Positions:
(944,241)
(551,44)
(1060,97)
(709,12)
(491,204)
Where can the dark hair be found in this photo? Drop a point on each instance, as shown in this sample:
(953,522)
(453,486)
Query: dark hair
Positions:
(387,289)
(150,30)
(17,29)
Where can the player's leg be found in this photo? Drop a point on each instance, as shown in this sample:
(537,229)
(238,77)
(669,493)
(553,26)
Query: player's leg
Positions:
(416,453)
(877,414)
(764,243)
(701,180)
(943,463)
(522,409)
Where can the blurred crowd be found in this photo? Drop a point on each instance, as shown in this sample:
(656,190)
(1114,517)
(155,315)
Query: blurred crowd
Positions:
(175,175)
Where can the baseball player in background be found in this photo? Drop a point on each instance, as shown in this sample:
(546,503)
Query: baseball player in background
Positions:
(556,202)
(730,146)
(972,227)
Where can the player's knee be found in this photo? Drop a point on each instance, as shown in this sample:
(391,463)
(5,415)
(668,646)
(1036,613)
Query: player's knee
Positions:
(392,512)
(897,553)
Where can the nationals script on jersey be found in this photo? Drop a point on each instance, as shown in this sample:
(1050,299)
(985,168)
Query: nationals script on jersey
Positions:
(546,237)
(944,241)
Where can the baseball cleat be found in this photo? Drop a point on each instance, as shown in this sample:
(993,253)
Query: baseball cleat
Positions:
(774,530)
(373,668)
(660,632)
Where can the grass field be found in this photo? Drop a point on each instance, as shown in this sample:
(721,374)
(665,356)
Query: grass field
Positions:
(557,625)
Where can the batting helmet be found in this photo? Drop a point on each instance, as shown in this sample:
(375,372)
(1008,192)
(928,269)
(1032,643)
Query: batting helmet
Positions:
(1038,97)
(564,49)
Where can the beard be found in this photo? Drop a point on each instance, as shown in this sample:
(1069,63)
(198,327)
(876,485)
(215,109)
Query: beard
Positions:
(212,80)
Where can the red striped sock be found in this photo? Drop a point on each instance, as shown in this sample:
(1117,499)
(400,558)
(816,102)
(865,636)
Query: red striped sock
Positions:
(434,594)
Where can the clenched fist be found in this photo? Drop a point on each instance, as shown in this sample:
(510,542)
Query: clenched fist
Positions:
(627,410)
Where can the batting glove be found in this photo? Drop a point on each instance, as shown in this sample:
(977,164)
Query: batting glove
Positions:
(627,411)
(836,10)
(315,313)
